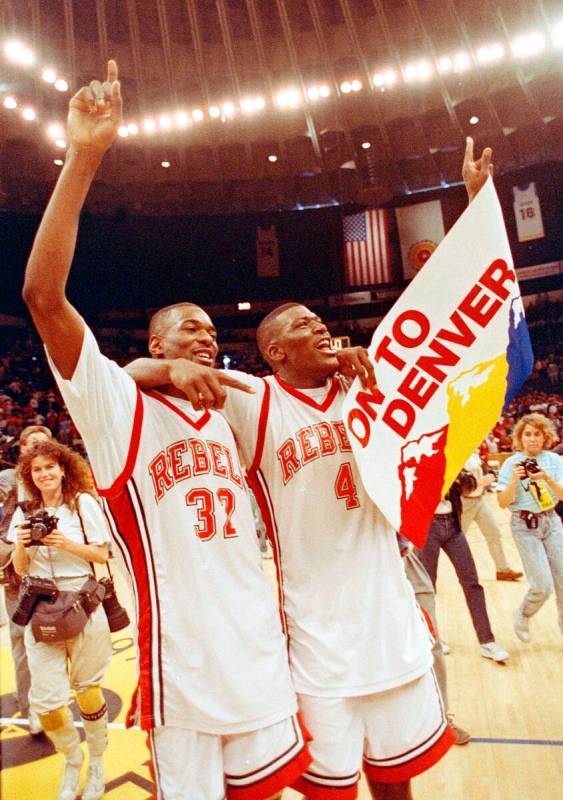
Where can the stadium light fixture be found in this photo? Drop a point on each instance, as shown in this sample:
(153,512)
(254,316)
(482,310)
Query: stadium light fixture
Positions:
(60,143)
(272,158)
(528,45)
(61,85)
(313,93)
(445,64)
(182,119)
(378,79)
(58,161)
(133,128)
(55,130)
(10,102)
(289,98)
(165,122)
(346,87)
(214,112)
(149,125)
(473,120)
(16,52)
(366,145)
(259,103)
(197,115)
(123,131)
(462,62)
(29,114)
(488,54)
(324,90)
(557,34)
(49,75)
(165,164)
(356,85)
(228,109)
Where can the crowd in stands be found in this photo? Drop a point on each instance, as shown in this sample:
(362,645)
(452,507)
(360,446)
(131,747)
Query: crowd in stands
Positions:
(28,395)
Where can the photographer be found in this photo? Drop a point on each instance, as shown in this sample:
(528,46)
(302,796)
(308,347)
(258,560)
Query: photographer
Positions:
(61,534)
(530,483)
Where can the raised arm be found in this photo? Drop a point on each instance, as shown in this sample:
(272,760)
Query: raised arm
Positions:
(475,173)
(93,119)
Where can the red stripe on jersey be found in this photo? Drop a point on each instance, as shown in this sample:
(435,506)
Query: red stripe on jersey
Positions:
(324,406)
(409,769)
(262,423)
(265,506)
(118,484)
(198,425)
(123,512)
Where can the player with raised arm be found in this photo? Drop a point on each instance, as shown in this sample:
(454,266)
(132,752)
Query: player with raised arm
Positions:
(360,650)
(178,506)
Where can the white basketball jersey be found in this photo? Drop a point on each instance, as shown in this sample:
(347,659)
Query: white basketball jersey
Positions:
(211,653)
(527,211)
(352,621)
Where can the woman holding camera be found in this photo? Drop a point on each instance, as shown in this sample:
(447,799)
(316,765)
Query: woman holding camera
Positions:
(59,483)
(530,484)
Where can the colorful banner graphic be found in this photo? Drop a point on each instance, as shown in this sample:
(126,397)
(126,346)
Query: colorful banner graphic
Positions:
(421,229)
(453,350)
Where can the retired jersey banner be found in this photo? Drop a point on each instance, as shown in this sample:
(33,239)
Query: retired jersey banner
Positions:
(421,229)
(453,350)
(267,252)
(527,211)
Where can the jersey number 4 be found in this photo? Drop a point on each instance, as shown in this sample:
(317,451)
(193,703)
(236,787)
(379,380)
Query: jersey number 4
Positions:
(344,486)
(204,501)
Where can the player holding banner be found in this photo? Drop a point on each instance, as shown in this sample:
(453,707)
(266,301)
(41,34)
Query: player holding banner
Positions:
(360,650)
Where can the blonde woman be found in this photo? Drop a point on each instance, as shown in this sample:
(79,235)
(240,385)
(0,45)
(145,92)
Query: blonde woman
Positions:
(58,481)
(530,484)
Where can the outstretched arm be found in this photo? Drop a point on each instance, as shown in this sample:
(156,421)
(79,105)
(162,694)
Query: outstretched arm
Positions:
(475,173)
(93,118)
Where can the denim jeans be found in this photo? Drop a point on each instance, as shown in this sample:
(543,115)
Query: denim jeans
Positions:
(541,551)
(475,509)
(445,534)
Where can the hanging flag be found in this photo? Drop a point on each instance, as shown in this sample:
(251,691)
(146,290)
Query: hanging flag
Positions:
(449,355)
(421,229)
(527,211)
(267,252)
(367,259)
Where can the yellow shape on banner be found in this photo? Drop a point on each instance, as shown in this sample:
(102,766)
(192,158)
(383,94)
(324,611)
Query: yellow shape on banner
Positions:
(475,400)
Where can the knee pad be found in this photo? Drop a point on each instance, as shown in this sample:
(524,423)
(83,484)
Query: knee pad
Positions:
(92,703)
(56,719)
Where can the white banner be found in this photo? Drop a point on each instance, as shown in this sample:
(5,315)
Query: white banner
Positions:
(527,211)
(421,229)
(451,352)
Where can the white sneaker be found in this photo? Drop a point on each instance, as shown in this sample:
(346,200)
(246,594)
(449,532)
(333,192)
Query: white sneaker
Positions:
(95,782)
(70,784)
(493,651)
(521,626)
(34,728)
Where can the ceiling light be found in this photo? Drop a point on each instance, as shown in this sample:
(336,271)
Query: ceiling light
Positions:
(123,131)
(182,119)
(324,91)
(58,161)
(61,143)
(390,77)
(133,129)
(272,158)
(243,306)
(149,125)
(259,103)
(165,121)
(288,98)
(424,70)
(197,115)
(10,102)
(366,145)
(214,112)
(55,131)
(27,56)
(378,79)
(346,87)
(13,50)
(247,105)
(445,64)
(473,120)
(165,164)
(461,62)
(29,114)
(528,45)
(49,75)
(557,34)
(61,85)
(228,109)
(313,93)
(356,85)
(410,72)
(490,53)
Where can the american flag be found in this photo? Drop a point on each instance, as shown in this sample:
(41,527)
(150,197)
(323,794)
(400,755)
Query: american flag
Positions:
(366,248)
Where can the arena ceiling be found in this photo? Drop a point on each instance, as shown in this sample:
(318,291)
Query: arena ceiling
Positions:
(403,78)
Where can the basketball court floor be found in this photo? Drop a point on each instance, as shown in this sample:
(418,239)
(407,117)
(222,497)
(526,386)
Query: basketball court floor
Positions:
(513,712)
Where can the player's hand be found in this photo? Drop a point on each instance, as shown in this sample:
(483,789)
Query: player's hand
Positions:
(475,173)
(94,113)
(355,362)
(204,386)
(487,479)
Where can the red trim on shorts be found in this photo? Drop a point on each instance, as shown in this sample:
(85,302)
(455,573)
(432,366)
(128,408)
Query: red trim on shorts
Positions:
(423,762)
(117,486)
(274,783)
(324,406)
(150,764)
(428,621)
(198,425)
(314,791)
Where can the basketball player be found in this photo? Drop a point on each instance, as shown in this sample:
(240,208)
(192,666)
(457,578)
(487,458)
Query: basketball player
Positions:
(360,651)
(178,505)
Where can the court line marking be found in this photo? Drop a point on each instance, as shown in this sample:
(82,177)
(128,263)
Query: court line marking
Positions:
(477,740)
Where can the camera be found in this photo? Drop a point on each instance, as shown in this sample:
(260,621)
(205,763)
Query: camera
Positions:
(40,525)
(530,465)
(32,590)
(116,614)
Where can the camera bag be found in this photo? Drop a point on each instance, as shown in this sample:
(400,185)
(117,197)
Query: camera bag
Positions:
(59,619)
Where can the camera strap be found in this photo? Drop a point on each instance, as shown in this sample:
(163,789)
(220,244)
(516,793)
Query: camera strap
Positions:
(86,538)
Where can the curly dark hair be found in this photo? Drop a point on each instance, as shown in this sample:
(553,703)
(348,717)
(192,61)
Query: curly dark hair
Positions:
(77,477)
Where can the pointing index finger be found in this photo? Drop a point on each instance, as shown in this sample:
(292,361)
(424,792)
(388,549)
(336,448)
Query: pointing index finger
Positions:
(112,70)
(226,380)
(468,150)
